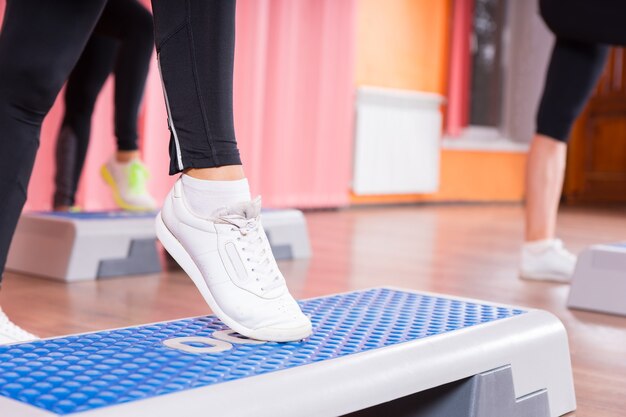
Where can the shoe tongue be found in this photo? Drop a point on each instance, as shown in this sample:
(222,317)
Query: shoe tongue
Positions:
(248,210)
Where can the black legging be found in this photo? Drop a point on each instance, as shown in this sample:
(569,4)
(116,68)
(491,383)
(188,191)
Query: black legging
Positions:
(122,42)
(584,30)
(195,43)
(40,43)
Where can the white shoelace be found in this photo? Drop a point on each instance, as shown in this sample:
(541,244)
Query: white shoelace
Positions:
(257,253)
(13,331)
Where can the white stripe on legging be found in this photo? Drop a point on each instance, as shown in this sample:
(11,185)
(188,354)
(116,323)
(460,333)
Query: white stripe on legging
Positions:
(170,121)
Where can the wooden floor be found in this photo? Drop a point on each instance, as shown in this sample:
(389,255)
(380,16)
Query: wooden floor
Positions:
(470,251)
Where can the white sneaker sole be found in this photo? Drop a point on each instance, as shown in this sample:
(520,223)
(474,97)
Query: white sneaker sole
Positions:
(548,276)
(178,252)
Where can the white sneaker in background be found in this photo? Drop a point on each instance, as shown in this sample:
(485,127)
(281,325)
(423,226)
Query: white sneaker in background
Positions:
(547,260)
(128,182)
(11,333)
(230,260)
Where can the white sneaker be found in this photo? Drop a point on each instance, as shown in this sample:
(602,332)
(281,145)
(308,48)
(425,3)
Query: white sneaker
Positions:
(128,182)
(547,260)
(230,260)
(11,333)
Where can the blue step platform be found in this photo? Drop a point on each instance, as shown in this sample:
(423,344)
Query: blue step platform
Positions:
(368,347)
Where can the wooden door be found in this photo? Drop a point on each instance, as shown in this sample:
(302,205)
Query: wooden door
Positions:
(596,171)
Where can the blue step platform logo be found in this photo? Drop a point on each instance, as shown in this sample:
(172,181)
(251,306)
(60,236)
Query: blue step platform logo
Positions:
(82,372)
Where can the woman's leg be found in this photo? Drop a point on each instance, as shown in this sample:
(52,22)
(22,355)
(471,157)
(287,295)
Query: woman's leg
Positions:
(82,90)
(583,29)
(131,24)
(208,223)
(572,74)
(34,64)
(33,67)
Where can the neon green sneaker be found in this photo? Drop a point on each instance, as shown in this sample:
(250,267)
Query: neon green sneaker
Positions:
(128,182)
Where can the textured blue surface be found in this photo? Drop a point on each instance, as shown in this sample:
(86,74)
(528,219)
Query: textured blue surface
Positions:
(83,372)
(98,215)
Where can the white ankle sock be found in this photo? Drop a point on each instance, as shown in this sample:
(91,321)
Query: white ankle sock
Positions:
(537,246)
(205,196)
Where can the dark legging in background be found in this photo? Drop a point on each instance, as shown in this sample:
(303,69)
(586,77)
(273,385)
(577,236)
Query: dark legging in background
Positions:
(42,40)
(584,32)
(122,42)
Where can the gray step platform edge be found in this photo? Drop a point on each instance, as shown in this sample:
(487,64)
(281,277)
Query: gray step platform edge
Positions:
(599,280)
(489,394)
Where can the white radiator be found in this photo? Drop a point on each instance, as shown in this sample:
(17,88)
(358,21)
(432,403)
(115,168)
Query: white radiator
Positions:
(397,141)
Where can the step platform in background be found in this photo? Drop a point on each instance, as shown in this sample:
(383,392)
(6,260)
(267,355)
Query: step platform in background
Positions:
(84,246)
(599,281)
(91,245)
(374,352)
(287,232)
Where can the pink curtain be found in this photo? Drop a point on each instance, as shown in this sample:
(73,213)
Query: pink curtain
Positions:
(457,116)
(293,111)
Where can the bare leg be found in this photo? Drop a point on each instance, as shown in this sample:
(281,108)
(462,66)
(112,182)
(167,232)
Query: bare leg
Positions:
(223,173)
(545,170)
(126,156)
(543,256)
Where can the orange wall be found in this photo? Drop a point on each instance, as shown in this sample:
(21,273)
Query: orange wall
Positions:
(469,176)
(403,44)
